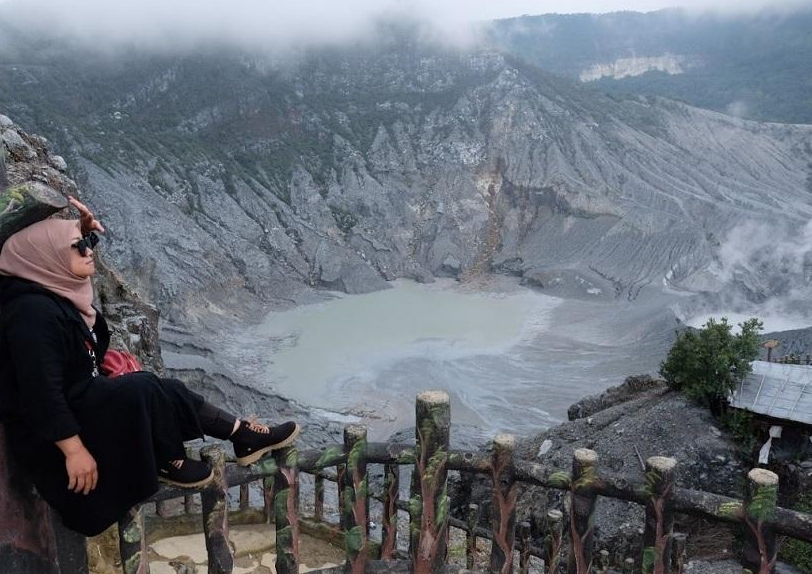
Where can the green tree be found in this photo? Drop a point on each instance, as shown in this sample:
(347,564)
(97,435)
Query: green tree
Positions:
(707,364)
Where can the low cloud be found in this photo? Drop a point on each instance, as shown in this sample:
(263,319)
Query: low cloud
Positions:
(170,24)
(739,108)
(166,24)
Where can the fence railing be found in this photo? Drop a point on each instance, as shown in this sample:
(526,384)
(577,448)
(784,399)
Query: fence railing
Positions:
(568,536)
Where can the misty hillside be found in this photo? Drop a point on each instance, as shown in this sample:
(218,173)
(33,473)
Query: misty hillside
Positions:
(754,66)
(224,174)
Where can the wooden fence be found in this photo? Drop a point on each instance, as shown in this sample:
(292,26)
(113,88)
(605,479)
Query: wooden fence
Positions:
(567,542)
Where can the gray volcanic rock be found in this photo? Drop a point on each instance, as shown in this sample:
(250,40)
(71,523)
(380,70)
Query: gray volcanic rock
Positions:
(344,171)
(133,323)
(638,419)
(16,145)
(631,387)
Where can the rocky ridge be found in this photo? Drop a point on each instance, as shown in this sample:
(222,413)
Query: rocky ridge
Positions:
(347,170)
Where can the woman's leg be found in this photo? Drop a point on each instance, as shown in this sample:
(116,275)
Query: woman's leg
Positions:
(197,416)
(251,440)
(171,421)
(144,392)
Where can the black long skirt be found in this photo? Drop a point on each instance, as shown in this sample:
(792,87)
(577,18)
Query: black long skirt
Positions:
(131,425)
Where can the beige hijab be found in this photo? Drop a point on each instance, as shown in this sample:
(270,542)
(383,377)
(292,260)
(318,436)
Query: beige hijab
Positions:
(41,253)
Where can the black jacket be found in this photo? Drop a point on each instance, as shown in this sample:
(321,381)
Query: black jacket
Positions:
(48,391)
(45,359)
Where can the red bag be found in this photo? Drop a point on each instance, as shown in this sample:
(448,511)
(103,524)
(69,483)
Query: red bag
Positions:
(117,363)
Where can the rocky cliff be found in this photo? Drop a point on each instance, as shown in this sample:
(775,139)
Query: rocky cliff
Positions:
(228,178)
(25,159)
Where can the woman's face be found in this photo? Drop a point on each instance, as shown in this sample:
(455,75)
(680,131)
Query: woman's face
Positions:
(81,265)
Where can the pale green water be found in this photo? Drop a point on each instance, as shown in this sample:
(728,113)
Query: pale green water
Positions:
(511,358)
(354,334)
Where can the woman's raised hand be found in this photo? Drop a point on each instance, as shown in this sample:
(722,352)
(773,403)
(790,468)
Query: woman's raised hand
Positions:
(87,220)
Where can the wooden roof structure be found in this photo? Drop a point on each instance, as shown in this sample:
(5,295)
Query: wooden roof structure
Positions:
(777,390)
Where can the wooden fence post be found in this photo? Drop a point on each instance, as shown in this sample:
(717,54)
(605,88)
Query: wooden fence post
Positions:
(524,554)
(286,511)
(214,503)
(189,499)
(470,536)
(582,509)
(429,488)
(759,547)
(244,497)
(162,508)
(132,542)
(659,486)
(318,496)
(268,492)
(679,554)
(503,511)
(354,491)
(554,540)
(391,493)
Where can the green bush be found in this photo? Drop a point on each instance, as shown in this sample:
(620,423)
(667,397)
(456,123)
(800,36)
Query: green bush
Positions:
(708,363)
(795,552)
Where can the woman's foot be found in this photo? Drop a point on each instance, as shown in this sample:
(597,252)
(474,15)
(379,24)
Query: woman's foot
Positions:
(252,440)
(186,473)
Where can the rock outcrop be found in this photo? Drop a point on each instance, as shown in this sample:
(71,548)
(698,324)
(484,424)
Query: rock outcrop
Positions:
(133,323)
(628,423)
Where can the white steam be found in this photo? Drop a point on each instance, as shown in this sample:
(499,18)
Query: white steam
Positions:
(755,247)
(764,271)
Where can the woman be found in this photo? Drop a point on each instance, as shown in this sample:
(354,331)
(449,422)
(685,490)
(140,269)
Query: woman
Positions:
(94,446)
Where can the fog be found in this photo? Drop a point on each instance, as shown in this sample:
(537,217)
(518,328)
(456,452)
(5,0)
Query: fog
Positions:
(162,24)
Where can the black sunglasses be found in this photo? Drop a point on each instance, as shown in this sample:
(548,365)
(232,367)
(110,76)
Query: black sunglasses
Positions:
(89,241)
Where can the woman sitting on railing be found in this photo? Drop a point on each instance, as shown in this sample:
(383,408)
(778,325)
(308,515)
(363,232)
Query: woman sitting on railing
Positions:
(93,445)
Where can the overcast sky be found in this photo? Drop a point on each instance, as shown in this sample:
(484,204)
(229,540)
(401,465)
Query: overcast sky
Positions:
(169,22)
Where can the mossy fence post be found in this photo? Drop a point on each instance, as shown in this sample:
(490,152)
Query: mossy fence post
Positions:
(582,510)
(470,536)
(132,541)
(391,493)
(759,547)
(429,488)
(318,497)
(214,504)
(353,485)
(659,487)
(286,511)
(553,540)
(503,512)
(524,552)
(245,496)
(679,553)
